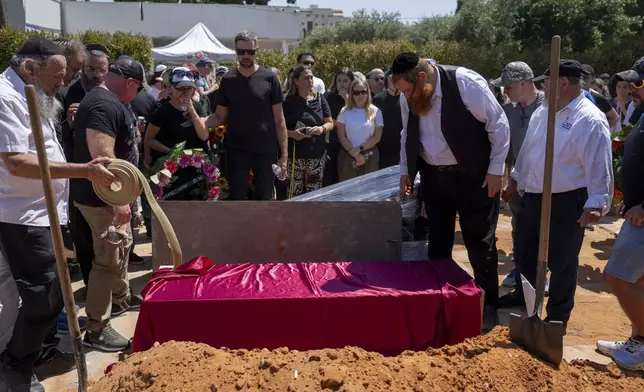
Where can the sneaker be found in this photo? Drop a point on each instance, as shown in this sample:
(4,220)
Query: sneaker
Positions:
(132,303)
(136,259)
(12,380)
(63,326)
(632,356)
(107,340)
(609,348)
(510,279)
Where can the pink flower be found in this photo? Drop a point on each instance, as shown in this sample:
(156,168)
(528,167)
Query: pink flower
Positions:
(185,161)
(163,180)
(214,177)
(209,169)
(197,160)
(213,193)
(170,165)
(159,193)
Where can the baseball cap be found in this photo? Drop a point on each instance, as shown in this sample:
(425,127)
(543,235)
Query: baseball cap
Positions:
(39,47)
(515,71)
(158,70)
(127,67)
(221,69)
(604,76)
(635,74)
(204,60)
(588,69)
(567,68)
(182,77)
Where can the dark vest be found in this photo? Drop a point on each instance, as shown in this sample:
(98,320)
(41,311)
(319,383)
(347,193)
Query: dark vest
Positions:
(465,135)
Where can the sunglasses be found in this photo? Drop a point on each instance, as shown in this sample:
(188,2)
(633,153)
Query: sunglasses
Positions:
(308,63)
(246,52)
(180,73)
(638,85)
(361,92)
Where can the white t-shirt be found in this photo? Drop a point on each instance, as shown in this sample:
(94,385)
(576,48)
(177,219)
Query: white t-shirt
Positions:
(319,85)
(22,200)
(356,126)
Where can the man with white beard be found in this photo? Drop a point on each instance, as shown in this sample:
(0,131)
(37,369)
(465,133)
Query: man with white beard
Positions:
(25,237)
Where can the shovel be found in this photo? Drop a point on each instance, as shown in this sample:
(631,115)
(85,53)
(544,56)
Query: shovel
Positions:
(57,237)
(542,339)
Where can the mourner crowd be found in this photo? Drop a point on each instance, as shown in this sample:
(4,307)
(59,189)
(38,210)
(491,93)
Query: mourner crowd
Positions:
(461,133)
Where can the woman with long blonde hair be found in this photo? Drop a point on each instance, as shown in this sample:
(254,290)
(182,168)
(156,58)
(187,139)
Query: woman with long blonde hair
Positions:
(359,130)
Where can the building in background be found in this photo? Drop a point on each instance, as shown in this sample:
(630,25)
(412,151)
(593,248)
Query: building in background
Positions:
(277,27)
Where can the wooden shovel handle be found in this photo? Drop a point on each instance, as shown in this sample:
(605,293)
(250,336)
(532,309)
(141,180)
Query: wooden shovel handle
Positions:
(57,237)
(546,202)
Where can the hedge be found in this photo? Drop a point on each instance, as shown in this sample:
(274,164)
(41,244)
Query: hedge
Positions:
(611,58)
(137,46)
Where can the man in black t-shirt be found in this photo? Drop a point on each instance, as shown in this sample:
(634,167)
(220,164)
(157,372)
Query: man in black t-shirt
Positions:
(598,98)
(250,102)
(624,272)
(388,101)
(104,126)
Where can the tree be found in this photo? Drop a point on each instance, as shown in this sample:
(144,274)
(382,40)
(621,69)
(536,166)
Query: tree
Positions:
(3,13)
(430,29)
(362,27)
(248,2)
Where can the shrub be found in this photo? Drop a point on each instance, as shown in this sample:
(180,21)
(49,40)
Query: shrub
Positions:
(135,45)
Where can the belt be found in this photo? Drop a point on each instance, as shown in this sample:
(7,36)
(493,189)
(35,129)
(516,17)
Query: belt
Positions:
(445,168)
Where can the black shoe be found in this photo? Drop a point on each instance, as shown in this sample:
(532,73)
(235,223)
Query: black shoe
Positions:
(107,340)
(136,259)
(511,300)
(132,303)
(12,380)
(490,318)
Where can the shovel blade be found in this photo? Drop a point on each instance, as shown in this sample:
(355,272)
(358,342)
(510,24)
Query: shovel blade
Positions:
(541,339)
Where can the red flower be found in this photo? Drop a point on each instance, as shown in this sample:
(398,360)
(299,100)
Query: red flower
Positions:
(170,165)
(214,192)
(250,177)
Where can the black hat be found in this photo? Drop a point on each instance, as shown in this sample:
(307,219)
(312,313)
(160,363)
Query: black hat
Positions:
(127,67)
(39,47)
(96,47)
(404,63)
(635,74)
(588,69)
(567,68)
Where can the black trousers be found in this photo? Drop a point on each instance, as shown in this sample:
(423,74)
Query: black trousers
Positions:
(566,238)
(331,171)
(238,167)
(30,254)
(447,190)
(83,242)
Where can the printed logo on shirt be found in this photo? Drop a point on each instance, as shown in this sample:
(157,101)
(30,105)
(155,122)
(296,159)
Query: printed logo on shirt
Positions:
(566,126)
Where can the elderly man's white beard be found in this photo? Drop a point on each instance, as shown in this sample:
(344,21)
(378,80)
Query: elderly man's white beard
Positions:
(50,107)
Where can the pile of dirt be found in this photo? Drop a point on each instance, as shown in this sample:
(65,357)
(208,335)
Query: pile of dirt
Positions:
(486,363)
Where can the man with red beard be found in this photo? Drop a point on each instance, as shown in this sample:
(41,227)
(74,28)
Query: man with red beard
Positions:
(457,135)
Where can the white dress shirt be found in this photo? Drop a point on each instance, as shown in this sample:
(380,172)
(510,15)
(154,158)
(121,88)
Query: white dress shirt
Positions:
(582,153)
(480,101)
(22,200)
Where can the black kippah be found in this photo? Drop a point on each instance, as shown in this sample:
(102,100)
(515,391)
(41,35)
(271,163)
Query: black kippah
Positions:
(39,47)
(404,63)
(96,47)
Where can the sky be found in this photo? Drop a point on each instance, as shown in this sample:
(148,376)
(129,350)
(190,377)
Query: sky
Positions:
(411,10)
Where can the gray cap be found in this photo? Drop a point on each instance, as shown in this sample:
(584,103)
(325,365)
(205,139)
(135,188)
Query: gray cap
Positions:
(515,71)
(634,74)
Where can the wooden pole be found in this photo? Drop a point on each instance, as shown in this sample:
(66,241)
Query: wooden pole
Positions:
(546,202)
(57,237)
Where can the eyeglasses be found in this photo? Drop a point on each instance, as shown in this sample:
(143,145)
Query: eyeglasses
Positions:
(638,85)
(246,52)
(179,73)
(361,92)
(118,68)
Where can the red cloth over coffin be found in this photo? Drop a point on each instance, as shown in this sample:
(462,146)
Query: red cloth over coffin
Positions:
(386,307)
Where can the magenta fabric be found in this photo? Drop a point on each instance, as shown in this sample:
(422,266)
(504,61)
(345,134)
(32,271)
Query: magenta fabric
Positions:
(386,307)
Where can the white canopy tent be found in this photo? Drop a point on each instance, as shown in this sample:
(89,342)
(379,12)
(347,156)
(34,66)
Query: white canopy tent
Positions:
(192,45)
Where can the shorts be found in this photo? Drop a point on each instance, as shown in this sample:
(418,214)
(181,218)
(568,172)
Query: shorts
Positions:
(627,259)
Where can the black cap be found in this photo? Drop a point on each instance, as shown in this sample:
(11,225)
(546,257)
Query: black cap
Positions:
(588,69)
(127,67)
(567,68)
(96,47)
(39,47)
(204,60)
(635,74)
(404,63)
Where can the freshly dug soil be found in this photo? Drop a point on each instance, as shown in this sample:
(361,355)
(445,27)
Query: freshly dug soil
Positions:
(486,363)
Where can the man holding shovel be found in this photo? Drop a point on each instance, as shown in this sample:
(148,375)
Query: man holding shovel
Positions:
(624,273)
(582,186)
(25,235)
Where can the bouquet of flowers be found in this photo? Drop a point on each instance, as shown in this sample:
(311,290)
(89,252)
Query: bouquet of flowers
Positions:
(209,183)
(618,156)
(217,134)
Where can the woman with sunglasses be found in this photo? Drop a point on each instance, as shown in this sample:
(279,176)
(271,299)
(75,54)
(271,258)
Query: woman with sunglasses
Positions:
(359,129)
(337,97)
(177,121)
(308,120)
